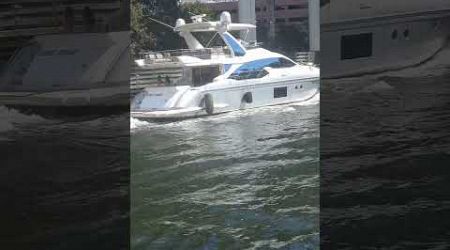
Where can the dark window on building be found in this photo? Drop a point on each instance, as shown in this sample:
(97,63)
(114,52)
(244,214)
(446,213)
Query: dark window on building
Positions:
(258,9)
(297,19)
(280,20)
(280,92)
(265,8)
(295,7)
(324,2)
(356,46)
(204,75)
(279,8)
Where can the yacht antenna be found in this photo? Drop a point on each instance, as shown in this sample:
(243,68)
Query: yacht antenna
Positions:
(160,22)
(246,34)
(203,16)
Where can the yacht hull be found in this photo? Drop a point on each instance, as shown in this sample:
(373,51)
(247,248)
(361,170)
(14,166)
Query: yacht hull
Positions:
(69,103)
(244,96)
(382,43)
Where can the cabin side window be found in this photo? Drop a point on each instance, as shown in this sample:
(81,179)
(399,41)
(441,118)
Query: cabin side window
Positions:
(280,92)
(204,75)
(255,69)
(356,46)
(282,63)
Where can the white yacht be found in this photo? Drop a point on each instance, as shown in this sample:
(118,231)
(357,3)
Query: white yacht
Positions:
(236,77)
(373,36)
(68,71)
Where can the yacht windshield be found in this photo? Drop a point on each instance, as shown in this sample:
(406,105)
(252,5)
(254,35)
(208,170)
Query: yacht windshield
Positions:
(209,39)
(234,44)
(22,60)
(255,69)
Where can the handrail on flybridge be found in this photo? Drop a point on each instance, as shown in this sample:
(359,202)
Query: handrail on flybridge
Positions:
(221,26)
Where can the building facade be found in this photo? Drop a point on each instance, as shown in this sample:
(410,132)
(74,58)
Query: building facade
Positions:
(282,12)
(280,23)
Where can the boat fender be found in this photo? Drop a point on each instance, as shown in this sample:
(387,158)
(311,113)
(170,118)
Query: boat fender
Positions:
(248,98)
(209,104)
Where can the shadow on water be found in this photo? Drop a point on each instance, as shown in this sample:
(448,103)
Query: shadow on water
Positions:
(66,180)
(384,155)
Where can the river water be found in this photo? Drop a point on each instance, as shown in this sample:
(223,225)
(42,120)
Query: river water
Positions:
(242,180)
(384,159)
(64,182)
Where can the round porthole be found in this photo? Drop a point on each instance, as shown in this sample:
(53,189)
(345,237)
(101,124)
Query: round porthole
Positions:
(406,33)
(394,34)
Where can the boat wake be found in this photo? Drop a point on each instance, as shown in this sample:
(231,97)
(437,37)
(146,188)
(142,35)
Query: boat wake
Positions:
(11,117)
(310,102)
(136,123)
(437,66)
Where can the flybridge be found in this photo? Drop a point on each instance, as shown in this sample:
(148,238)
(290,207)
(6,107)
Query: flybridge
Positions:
(221,27)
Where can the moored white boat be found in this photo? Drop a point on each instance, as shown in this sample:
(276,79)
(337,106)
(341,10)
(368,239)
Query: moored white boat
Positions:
(66,71)
(360,37)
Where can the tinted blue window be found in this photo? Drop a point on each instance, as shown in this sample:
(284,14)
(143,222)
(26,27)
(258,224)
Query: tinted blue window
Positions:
(255,69)
(235,46)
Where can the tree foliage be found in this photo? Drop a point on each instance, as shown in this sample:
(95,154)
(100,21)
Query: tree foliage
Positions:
(142,38)
(149,35)
(196,8)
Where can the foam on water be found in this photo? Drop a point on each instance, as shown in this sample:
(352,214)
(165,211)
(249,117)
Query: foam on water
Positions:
(433,67)
(372,83)
(10,117)
(136,123)
(313,101)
